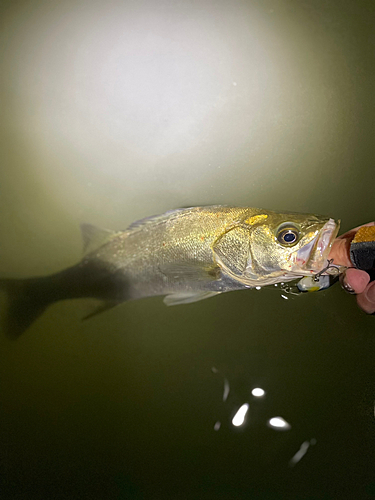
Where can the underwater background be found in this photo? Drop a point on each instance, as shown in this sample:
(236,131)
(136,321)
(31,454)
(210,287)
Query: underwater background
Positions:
(113,111)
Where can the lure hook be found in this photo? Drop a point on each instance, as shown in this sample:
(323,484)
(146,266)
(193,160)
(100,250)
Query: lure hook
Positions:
(325,269)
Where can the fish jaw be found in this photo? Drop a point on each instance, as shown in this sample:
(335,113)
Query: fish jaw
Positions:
(312,257)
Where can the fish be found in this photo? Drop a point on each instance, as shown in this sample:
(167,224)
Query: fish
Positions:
(187,255)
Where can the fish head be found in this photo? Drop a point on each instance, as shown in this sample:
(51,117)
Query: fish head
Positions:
(289,245)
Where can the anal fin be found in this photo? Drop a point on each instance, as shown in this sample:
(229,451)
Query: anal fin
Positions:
(101,308)
(187,298)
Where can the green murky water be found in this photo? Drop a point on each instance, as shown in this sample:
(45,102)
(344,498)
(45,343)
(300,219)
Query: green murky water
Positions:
(112,111)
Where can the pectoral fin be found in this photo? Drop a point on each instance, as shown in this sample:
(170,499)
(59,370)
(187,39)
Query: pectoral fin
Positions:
(187,298)
(190,272)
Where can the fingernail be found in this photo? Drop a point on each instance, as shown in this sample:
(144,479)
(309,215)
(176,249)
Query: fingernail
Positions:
(345,285)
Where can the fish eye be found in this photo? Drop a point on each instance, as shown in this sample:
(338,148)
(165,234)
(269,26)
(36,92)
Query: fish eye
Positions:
(287,234)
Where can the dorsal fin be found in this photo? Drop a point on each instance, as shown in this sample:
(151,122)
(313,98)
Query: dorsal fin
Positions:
(94,237)
(154,219)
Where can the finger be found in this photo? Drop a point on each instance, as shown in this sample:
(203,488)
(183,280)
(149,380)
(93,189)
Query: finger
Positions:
(355,280)
(366,299)
(340,252)
(350,234)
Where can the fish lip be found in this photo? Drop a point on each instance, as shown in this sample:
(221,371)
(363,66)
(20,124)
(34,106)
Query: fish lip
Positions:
(318,249)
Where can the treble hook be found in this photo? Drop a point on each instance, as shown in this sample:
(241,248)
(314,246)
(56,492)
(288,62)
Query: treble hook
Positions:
(328,266)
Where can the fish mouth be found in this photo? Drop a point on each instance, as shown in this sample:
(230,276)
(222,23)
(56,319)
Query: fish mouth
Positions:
(313,257)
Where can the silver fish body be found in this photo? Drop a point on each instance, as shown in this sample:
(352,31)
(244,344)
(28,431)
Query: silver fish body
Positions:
(215,249)
(186,254)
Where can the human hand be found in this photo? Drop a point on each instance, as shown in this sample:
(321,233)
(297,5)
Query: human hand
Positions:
(354,280)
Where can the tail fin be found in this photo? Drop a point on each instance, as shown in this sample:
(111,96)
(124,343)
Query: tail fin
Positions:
(26,300)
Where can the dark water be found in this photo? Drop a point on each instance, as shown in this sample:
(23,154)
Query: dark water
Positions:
(112,111)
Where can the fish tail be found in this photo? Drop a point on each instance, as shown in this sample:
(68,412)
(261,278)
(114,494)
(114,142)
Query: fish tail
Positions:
(27,299)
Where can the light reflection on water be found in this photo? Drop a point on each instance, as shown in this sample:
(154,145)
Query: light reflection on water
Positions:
(258,392)
(277,423)
(239,417)
(301,452)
